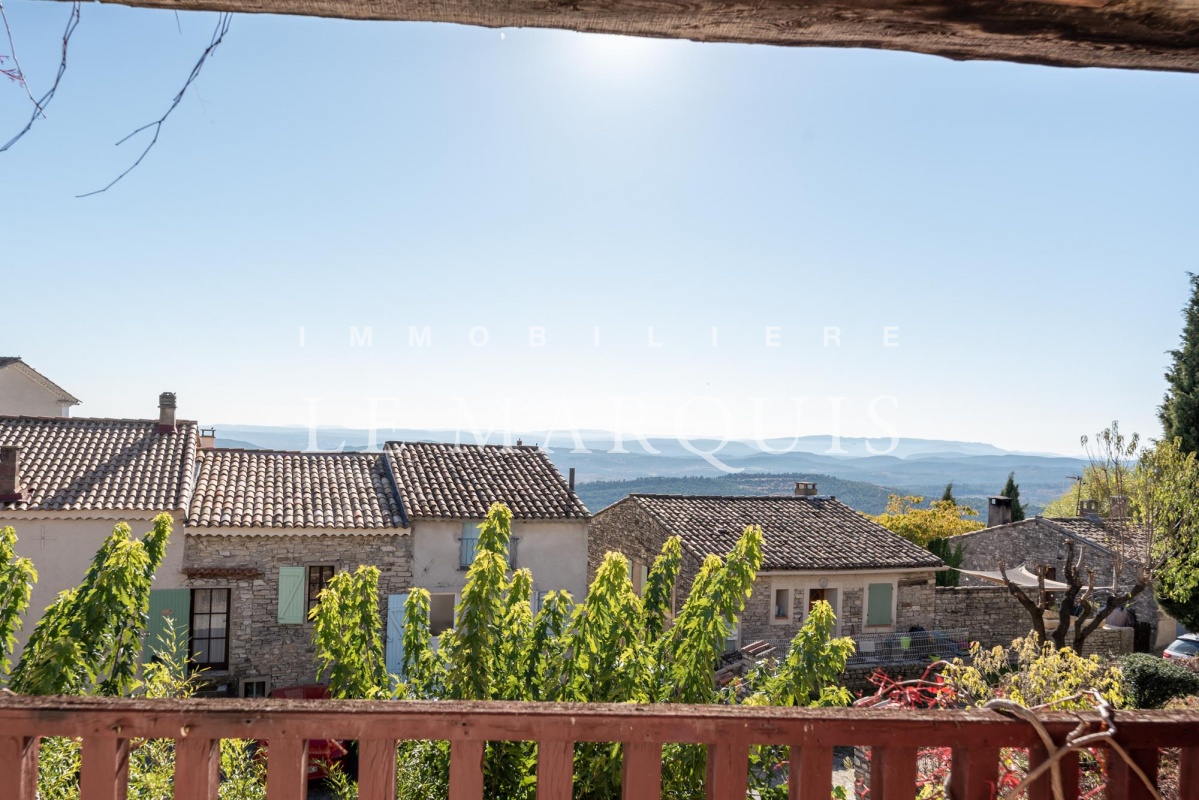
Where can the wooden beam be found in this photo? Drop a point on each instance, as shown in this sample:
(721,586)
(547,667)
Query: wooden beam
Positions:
(1127,34)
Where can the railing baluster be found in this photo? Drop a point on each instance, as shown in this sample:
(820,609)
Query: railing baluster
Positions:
(893,773)
(811,773)
(975,773)
(641,773)
(555,770)
(104,771)
(287,769)
(18,765)
(1123,781)
(1042,789)
(1070,776)
(197,768)
(728,771)
(377,769)
(466,769)
(1188,774)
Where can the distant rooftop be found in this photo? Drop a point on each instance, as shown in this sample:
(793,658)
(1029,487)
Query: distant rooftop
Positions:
(63,395)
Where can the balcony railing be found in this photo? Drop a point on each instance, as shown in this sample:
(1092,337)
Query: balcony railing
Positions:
(107,726)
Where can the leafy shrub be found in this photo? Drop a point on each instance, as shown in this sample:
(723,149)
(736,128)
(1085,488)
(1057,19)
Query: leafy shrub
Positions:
(1034,674)
(1152,681)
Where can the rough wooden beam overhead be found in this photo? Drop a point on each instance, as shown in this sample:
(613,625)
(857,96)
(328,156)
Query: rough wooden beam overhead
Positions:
(1129,34)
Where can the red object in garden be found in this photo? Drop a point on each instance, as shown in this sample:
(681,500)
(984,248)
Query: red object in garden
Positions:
(322,753)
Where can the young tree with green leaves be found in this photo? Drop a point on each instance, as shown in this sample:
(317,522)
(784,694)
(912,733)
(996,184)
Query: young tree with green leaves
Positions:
(1179,411)
(90,638)
(17,577)
(1011,490)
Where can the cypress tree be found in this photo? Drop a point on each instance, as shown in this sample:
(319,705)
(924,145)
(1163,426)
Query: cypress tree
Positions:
(1012,489)
(1179,411)
(947,497)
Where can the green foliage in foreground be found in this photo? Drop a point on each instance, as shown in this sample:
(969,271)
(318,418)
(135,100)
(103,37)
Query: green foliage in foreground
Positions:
(613,647)
(1153,681)
(17,577)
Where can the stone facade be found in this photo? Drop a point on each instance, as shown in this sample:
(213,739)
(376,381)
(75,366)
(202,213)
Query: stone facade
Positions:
(259,646)
(627,529)
(989,614)
(1034,542)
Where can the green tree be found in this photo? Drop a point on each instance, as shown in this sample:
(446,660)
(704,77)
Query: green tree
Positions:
(953,554)
(921,525)
(1168,505)
(1179,411)
(90,638)
(947,495)
(1012,490)
(347,632)
(17,577)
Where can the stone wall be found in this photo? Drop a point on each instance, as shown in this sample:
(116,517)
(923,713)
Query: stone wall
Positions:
(258,645)
(627,529)
(1108,642)
(1034,542)
(989,614)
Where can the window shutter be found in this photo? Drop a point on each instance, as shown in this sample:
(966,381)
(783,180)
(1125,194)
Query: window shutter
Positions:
(395,633)
(878,604)
(291,595)
(173,603)
(466,551)
(512,543)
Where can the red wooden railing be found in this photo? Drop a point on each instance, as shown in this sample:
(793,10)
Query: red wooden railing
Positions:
(107,726)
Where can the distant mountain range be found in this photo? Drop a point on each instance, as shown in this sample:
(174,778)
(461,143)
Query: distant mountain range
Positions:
(915,466)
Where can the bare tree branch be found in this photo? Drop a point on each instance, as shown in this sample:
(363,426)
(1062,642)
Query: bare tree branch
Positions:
(218,35)
(40,105)
(17,73)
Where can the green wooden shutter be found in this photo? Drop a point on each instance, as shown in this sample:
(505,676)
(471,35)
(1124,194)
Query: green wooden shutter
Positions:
(291,596)
(878,603)
(173,603)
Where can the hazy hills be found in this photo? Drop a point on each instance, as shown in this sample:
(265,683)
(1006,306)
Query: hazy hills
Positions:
(916,466)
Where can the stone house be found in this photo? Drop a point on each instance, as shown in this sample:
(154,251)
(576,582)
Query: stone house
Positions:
(26,392)
(267,530)
(815,548)
(1037,541)
(65,482)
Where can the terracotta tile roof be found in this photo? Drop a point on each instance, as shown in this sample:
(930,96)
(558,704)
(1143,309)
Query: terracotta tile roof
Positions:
(1127,538)
(801,533)
(82,464)
(449,481)
(271,489)
(237,573)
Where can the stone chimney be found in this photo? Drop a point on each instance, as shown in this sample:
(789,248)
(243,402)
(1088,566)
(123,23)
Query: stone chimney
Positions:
(207,438)
(166,412)
(805,489)
(11,490)
(1088,508)
(1119,507)
(999,511)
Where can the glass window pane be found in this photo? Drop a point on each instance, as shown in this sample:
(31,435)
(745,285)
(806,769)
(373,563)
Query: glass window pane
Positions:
(200,647)
(217,625)
(220,600)
(202,600)
(216,651)
(200,626)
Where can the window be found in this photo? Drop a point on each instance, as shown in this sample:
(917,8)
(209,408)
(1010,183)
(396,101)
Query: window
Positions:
(879,598)
(441,613)
(639,577)
(468,545)
(539,600)
(210,628)
(782,604)
(733,640)
(318,579)
(255,687)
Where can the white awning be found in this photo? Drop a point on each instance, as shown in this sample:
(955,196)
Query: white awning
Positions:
(1019,576)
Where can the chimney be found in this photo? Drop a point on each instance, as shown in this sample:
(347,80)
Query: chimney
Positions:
(1088,508)
(999,511)
(10,476)
(207,438)
(571,479)
(166,412)
(1119,507)
(805,489)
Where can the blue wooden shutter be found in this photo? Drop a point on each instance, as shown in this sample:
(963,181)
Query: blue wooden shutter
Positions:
(878,604)
(173,603)
(395,632)
(469,545)
(292,596)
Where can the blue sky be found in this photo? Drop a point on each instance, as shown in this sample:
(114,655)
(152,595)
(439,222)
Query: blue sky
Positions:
(1024,232)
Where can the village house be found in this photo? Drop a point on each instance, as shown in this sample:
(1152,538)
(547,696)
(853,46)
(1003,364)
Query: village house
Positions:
(815,548)
(65,482)
(267,530)
(26,392)
(1042,541)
